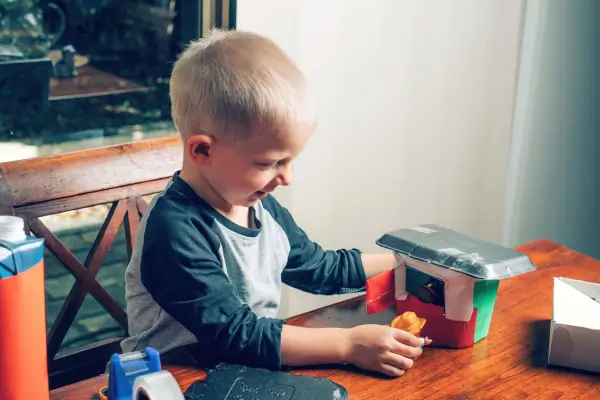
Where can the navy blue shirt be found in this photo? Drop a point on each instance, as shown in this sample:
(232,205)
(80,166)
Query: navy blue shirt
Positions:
(196,277)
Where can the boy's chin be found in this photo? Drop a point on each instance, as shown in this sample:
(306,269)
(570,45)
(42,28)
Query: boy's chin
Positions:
(251,200)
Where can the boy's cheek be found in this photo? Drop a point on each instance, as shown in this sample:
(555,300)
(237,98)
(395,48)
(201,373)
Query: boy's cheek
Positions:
(259,180)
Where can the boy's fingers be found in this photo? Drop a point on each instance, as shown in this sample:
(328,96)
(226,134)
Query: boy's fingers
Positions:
(398,361)
(406,338)
(407,350)
(390,370)
(426,341)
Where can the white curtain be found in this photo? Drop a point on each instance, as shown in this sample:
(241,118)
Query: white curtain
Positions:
(554,178)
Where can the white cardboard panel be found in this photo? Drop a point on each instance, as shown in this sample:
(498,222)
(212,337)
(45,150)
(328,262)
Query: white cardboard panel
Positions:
(574,307)
(458,289)
(575,326)
(575,347)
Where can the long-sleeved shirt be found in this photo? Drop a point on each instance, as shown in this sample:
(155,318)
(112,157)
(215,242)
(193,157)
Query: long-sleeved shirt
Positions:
(195,277)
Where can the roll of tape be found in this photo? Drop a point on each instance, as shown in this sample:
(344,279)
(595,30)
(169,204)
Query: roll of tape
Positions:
(159,385)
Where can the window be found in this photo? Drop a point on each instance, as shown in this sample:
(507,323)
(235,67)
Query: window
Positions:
(80,74)
(77,74)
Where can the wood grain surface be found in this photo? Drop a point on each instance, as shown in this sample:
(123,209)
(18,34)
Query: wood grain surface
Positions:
(509,364)
(66,175)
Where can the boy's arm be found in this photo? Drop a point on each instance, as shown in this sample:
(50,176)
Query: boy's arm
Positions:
(314,270)
(184,277)
(375,264)
(311,268)
(373,347)
(181,271)
(313,346)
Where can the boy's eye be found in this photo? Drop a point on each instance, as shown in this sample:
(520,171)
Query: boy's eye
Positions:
(268,165)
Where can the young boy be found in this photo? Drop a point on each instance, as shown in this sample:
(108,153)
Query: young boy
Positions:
(215,247)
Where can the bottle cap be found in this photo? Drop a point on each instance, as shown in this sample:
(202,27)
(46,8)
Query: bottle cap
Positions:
(12,229)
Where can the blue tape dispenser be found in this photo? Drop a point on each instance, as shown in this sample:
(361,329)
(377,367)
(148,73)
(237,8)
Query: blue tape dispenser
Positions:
(123,370)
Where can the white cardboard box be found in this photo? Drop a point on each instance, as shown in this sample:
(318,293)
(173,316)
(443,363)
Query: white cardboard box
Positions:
(575,326)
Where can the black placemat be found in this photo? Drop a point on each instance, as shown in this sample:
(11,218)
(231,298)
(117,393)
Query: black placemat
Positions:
(237,382)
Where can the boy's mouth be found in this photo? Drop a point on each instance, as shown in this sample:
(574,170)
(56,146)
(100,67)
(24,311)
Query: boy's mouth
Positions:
(267,190)
(261,194)
(264,193)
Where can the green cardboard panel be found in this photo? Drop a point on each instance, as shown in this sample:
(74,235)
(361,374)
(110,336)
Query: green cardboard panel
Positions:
(484,298)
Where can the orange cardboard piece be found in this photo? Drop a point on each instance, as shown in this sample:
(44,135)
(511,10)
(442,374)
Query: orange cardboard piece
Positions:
(409,322)
(23,366)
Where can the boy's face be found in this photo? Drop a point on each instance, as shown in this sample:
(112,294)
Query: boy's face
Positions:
(243,173)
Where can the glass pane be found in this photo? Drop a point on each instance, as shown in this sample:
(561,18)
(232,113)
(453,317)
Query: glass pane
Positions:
(87,73)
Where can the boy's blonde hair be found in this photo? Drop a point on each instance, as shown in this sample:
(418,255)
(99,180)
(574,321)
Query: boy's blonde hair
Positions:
(237,84)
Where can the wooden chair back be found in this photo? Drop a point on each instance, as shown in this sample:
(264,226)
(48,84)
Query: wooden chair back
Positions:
(119,175)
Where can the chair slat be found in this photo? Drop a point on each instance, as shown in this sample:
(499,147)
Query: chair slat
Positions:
(76,296)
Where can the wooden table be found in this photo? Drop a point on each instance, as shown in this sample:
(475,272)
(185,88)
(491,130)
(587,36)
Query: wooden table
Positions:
(511,363)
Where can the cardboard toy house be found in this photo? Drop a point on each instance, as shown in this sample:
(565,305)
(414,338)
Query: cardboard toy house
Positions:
(446,277)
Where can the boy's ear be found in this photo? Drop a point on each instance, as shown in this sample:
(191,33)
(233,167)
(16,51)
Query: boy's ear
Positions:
(199,147)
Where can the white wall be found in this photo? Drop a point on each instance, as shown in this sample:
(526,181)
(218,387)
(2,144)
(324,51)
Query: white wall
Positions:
(416,100)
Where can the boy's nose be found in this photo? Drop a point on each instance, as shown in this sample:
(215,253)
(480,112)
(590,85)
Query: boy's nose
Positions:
(285,176)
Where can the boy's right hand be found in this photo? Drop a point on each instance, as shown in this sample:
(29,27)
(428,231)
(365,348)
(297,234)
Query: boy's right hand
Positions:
(382,349)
